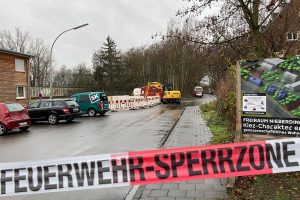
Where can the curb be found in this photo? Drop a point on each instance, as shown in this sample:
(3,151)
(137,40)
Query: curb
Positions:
(134,190)
(165,139)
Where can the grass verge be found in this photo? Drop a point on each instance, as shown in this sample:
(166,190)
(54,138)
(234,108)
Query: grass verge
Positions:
(218,125)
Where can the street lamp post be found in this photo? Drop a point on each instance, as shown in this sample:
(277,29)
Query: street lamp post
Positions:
(51,69)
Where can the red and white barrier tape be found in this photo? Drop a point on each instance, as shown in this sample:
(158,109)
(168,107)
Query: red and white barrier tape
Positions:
(154,166)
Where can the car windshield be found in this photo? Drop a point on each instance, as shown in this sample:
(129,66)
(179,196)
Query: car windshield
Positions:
(71,103)
(198,89)
(14,107)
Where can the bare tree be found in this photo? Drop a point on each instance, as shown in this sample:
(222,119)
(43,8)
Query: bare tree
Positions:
(172,60)
(21,41)
(82,77)
(16,41)
(63,77)
(40,64)
(231,20)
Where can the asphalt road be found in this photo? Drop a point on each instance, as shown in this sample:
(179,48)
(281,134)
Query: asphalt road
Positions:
(115,132)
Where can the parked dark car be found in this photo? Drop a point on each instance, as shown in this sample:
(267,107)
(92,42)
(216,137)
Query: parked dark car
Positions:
(54,110)
(12,116)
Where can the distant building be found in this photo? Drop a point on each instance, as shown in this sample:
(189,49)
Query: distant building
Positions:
(14,77)
(282,34)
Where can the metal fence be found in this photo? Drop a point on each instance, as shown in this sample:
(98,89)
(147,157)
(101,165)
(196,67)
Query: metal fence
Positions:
(68,91)
(56,91)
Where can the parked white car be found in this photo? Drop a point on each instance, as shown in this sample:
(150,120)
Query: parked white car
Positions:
(198,91)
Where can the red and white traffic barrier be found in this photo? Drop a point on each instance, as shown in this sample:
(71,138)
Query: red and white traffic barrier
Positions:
(118,103)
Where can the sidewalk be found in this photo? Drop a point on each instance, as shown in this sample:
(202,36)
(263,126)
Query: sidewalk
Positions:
(190,130)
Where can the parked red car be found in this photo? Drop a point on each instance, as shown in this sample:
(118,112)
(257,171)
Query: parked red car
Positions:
(12,116)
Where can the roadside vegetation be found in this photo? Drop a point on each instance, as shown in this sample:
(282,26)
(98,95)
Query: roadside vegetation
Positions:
(217,124)
(285,186)
(220,114)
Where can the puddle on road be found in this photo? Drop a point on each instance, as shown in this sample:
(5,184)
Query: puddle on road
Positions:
(179,106)
(184,126)
(161,112)
(173,107)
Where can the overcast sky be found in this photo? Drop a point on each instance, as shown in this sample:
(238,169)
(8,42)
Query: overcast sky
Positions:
(131,23)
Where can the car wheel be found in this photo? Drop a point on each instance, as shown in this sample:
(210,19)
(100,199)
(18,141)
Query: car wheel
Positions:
(92,112)
(52,119)
(102,113)
(3,129)
(24,128)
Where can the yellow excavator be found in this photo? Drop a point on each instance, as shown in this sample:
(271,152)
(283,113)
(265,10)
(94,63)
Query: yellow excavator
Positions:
(170,95)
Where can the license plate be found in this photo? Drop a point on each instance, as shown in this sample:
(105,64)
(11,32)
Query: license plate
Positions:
(75,109)
(23,123)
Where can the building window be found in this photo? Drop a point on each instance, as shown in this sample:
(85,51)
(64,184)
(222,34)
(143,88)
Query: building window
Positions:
(21,92)
(292,36)
(20,65)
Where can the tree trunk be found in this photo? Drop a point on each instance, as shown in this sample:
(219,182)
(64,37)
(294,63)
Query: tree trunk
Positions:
(257,43)
(255,29)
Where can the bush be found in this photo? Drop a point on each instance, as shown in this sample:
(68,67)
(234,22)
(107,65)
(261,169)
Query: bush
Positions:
(221,114)
(211,116)
(226,98)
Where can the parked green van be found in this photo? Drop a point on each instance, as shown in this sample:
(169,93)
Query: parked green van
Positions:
(92,102)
